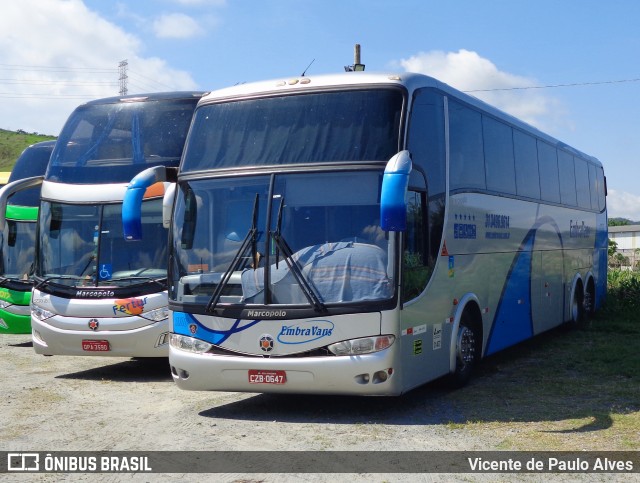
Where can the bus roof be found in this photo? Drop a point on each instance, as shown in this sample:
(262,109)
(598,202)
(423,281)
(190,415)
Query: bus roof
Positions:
(154,96)
(408,80)
(33,161)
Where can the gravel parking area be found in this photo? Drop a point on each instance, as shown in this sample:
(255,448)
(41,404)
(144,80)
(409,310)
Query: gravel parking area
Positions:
(65,403)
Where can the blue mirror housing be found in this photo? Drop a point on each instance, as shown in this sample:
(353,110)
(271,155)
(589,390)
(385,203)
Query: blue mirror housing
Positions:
(132,202)
(393,207)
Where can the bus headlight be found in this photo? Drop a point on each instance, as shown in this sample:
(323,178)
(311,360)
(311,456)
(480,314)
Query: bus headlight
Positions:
(4,304)
(156,315)
(365,345)
(40,313)
(189,344)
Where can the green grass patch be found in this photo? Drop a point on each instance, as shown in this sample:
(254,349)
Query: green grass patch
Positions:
(13,143)
(566,389)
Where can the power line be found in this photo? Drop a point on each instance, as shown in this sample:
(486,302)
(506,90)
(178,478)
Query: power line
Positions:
(57,68)
(574,84)
(58,82)
(13,95)
(136,74)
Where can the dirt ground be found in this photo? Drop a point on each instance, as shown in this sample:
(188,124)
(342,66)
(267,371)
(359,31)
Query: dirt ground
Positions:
(65,403)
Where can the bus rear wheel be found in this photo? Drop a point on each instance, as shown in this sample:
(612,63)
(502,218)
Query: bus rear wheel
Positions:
(579,307)
(466,351)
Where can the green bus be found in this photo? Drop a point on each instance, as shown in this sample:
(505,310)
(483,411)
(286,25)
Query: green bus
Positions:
(17,240)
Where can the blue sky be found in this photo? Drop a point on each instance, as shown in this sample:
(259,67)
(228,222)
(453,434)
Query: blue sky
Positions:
(55,54)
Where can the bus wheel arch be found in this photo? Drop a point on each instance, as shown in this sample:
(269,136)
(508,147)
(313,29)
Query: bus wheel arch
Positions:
(466,341)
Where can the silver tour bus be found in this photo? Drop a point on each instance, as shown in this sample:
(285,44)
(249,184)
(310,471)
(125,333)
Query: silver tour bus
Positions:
(366,233)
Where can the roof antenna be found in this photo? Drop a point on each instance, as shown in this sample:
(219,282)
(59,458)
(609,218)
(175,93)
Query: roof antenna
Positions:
(356,66)
(305,71)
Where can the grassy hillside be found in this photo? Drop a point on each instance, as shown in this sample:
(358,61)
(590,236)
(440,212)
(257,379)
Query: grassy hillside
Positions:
(13,143)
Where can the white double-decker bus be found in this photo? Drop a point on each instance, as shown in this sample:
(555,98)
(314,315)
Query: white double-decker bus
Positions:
(93,293)
(366,233)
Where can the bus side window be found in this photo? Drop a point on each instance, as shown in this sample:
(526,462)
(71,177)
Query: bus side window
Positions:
(415,267)
(427,190)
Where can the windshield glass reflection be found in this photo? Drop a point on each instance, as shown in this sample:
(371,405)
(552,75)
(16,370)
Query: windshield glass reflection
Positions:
(83,245)
(316,240)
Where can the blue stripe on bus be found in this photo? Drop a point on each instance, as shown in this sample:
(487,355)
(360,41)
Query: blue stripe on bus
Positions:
(187,324)
(513,320)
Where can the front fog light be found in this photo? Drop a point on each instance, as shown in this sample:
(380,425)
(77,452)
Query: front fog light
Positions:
(189,344)
(37,338)
(365,345)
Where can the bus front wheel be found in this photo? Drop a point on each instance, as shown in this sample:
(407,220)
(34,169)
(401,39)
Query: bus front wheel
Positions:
(467,353)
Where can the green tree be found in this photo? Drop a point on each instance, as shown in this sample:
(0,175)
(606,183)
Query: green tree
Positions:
(613,248)
(618,222)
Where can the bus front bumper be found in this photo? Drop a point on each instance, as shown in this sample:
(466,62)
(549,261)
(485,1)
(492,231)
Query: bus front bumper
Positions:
(370,374)
(150,340)
(15,319)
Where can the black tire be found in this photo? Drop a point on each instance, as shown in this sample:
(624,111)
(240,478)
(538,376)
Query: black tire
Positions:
(467,351)
(589,302)
(577,309)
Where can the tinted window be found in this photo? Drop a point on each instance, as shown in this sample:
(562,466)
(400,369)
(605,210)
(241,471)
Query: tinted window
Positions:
(526,156)
(567,172)
(111,143)
(465,140)
(358,125)
(582,184)
(498,155)
(601,188)
(426,138)
(549,185)
(593,184)
(427,147)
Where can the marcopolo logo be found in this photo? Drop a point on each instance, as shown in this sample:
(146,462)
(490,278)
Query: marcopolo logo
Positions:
(133,306)
(266,314)
(86,294)
(303,332)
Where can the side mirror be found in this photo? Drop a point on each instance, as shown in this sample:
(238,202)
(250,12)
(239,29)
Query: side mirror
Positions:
(132,201)
(12,188)
(393,207)
(167,204)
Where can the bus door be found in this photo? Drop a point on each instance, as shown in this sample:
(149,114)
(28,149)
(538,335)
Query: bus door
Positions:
(546,279)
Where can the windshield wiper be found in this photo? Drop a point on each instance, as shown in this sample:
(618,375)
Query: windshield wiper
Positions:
(283,246)
(138,277)
(250,241)
(45,281)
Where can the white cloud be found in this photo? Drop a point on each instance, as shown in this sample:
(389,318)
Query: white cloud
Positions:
(176,26)
(467,71)
(621,204)
(56,54)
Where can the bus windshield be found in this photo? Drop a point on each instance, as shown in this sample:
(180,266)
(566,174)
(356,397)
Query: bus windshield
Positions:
(114,142)
(316,240)
(353,125)
(82,245)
